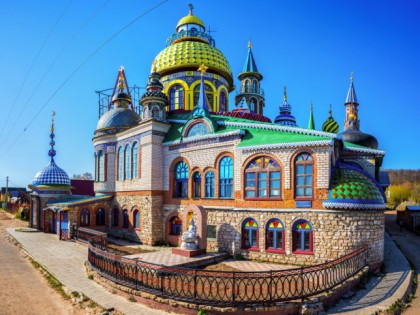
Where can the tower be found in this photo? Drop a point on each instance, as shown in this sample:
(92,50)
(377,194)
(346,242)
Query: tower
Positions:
(250,85)
(154,100)
(352,112)
(285,118)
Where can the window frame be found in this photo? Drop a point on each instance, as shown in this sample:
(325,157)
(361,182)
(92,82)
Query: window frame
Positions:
(181,183)
(120,169)
(299,231)
(100,217)
(84,213)
(275,230)
(135,160)
(178,226)
(253,233)
(209,184)
(125,219)
(101,166)
(307,161)
(136,220)
(196,182)
(269,181)
(176,101)
(127,162)
(226,182)
(115,217)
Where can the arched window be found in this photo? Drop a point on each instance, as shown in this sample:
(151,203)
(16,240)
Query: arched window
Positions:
(209,95)
(254,86)
(302,237)
(304,176)
(115,217)
(120,164)
(135,160)
(136,219)
(176,97)
(198,129)
(226,177)
(127,154)
(246,86)
(181,180)
(223,101)
(197,185)
(250,234)
(125,219)
(262,178)
(100,217)
(155,112)
(84,217)
(101,166)
(175,226)
(275,235)
(209,184)
(252,105)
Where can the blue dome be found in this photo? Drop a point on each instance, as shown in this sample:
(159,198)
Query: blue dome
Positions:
(117,119)
(51,175)
(285,118)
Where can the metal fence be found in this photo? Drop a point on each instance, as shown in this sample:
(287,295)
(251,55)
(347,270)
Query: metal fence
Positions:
(225,288)
(96,238)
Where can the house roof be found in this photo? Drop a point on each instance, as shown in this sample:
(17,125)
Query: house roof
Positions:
(10,189)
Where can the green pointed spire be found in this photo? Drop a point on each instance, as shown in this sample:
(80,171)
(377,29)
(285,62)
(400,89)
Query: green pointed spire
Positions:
(311,124)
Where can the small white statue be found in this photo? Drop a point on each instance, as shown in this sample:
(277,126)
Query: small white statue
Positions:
(189,237)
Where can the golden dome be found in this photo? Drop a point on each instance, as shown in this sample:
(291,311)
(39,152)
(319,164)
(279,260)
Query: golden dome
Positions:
(190,19)
(191,54)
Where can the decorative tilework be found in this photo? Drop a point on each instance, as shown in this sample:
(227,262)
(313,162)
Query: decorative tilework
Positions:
(51,175)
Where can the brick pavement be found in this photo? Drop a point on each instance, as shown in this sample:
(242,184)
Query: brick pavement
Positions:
(65,260)
(381,292)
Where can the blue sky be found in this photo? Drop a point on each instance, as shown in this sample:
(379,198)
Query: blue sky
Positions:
(52,60)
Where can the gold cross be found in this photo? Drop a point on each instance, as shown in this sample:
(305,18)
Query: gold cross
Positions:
(202,69)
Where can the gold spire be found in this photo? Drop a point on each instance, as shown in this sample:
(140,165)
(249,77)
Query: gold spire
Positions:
(285,94)
(351,75)
(121,83)
(202,69)
(52,121)
(249,44)
(191,8)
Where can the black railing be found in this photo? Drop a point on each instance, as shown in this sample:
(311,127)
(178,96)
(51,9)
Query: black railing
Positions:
(222,287)
(96,238)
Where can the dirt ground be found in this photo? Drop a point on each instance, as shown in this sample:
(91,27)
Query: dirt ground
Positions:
(23,289)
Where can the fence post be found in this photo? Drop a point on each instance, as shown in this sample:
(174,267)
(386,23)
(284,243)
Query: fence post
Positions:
(301,281)
(136,274)
(233,287)
(195,286)
(162,281)
(270,289)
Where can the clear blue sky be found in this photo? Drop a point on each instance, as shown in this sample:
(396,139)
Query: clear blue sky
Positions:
(309,46)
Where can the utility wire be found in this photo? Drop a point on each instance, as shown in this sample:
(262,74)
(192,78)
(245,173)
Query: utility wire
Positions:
(77,70)
(33,63)
(51,66)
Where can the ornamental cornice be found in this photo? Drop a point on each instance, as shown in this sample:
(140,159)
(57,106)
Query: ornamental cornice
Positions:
(239,132)
(287,145)
(357,206)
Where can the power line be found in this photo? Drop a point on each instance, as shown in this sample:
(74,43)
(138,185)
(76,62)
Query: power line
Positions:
(33,63)
(51,66)
(77,70)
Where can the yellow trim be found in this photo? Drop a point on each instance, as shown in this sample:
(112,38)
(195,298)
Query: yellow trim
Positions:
(222,87)
(184,86)
(191,93)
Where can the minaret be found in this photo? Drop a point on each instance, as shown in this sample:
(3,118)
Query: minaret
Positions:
(352,112)
(311,123)
(250,85)
(285,118)
(154,101)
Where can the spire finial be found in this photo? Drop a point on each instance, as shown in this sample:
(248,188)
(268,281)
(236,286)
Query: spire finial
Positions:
(191,8)
(249,44)
(351,75)
(121,81)
(311,107)
(51,152)
(285,94)
(330,110)
(203,69)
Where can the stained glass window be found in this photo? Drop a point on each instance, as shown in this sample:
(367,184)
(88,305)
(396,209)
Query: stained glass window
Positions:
(226,177)
(302,236)
(263,178)
(198,129)
(181,180)
(120,164)
(250,234)
(209,184)
(135,160)
(100,217)
(275,235)
(176,97)
(209,95)
(304,176)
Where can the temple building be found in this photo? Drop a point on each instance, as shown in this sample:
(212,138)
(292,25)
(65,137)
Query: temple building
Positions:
(269,191)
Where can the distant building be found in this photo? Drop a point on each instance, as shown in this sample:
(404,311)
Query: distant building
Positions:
(410,218)
(270,191)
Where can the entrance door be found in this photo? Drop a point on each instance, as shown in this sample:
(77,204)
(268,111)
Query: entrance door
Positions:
(64,225)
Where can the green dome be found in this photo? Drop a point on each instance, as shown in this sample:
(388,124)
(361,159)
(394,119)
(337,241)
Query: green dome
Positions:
(189,55)
(351,188)
(330,125)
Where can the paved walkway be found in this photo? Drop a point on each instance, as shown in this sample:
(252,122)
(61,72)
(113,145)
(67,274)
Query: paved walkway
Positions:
(65,260)
(381,292)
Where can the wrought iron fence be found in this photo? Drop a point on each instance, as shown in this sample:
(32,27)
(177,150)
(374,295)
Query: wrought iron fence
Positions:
(96,238)
(221,287)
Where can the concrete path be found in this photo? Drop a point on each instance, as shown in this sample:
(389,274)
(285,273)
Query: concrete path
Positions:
(410,246)
(65,260)
(381,291)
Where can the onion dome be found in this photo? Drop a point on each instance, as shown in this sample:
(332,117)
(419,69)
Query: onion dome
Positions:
(117,120)
(330,125)
(285,118)
(189,48)
(352,188)
(52,174)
